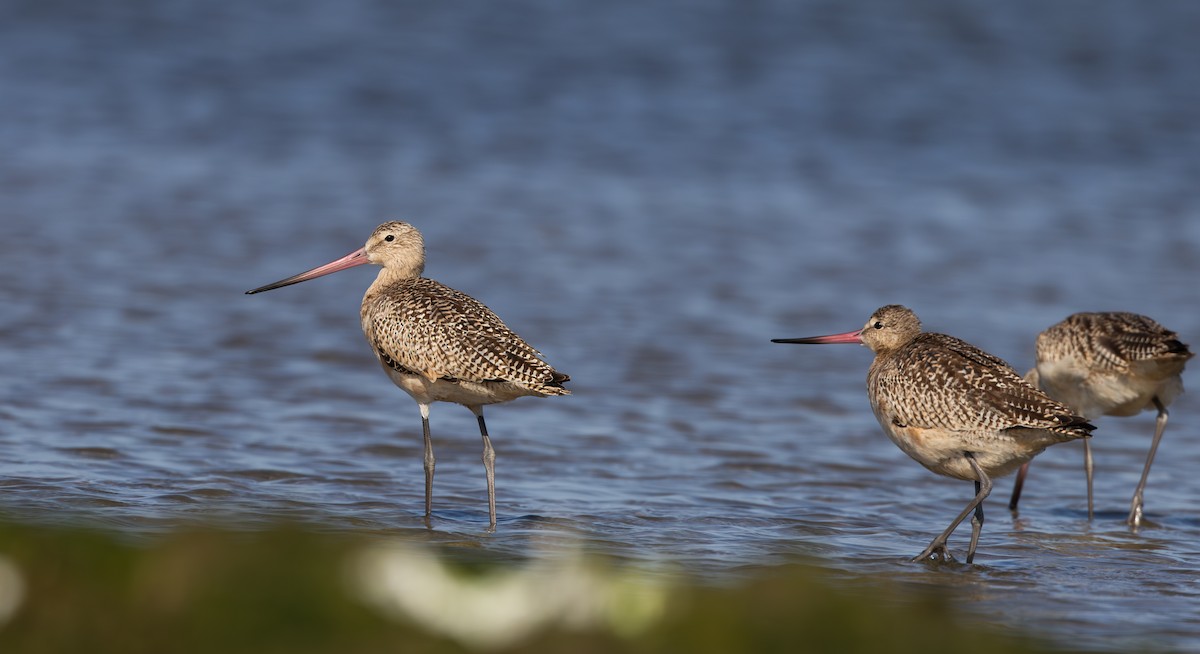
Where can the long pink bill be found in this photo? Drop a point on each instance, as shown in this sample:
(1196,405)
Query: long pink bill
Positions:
(849,337)
(355,258)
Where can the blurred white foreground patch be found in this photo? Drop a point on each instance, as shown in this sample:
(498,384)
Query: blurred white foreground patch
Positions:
(12,589)
(498,607)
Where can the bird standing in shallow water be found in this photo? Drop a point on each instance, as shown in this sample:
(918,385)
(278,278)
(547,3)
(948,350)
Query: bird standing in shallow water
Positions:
(437,344)
(956,409)
(1109,363)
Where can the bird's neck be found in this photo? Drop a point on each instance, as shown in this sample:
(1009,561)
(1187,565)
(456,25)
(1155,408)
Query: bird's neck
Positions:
(395,273)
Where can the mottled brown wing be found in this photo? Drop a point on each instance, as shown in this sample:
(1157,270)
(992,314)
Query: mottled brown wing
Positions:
(1110,341)
(434,330)
(939,381)
(1131,337)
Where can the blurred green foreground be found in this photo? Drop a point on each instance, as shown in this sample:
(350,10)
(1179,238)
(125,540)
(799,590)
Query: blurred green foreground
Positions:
(293,591)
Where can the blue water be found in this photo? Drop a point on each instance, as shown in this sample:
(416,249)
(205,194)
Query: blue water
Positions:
(648,194)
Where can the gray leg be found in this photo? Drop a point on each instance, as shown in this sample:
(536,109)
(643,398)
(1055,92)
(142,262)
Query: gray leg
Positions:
(983,487)
(976,523)
(429,461)
(1017,485)
(1136,507)
(489,466)
(1088,469)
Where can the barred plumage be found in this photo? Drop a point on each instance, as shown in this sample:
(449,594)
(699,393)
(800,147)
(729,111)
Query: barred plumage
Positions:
(954,408)
(938,382)
(430,329)
(437,344)
(1110,363)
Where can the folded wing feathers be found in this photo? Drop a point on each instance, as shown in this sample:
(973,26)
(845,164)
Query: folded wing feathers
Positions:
(941,381)
(428,327)
(1110,340)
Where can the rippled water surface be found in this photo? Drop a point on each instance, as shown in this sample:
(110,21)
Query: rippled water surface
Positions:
(646,194)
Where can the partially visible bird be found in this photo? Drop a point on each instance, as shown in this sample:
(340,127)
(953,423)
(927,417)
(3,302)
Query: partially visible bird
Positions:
(437,344)
(1110,363)
(954,408)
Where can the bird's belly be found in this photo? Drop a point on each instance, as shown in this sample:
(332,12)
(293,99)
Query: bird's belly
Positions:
(463,392)
(1107,393)
(1133,394)
(942,450)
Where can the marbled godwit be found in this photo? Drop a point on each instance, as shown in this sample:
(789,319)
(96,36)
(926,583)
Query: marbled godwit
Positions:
(1111,363)
(437,344)
(956,409)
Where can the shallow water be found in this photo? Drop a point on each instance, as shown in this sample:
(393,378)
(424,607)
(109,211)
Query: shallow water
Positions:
(648,195)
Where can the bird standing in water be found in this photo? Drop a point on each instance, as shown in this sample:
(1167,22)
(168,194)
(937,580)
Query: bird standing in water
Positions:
(954,408)
(1109,363)
(437,344)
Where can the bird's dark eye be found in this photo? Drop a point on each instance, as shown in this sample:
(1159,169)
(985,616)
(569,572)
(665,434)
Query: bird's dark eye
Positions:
(389,238)
(878,324)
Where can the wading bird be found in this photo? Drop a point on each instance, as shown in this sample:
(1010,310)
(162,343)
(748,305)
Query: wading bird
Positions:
(1110,363)
(956,409)
(437,344)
